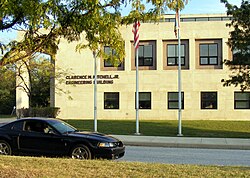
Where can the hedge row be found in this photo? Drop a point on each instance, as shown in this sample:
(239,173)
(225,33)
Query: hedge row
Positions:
(51,112)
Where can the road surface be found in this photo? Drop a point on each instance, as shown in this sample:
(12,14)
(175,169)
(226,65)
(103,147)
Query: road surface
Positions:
(221,157)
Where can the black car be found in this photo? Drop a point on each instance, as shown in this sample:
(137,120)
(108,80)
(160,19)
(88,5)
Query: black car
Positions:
(42,136)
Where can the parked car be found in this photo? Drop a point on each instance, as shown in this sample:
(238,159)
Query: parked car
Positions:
(43,136)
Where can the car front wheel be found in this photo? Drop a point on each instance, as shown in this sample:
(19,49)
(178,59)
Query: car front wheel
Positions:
(5,148)
(80,152)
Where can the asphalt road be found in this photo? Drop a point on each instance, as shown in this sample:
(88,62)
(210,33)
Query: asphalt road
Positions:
(220,157)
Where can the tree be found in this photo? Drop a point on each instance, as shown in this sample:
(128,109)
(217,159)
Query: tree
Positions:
(7,89)
(19,12)
(39,74)
(239,43)
(27,16)
(98,20)
(44,22)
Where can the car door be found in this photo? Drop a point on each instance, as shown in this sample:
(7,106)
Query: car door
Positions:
(34,139)
(13,131)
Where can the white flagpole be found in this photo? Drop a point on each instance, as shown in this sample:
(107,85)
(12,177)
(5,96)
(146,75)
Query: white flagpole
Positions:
(136,45)
(179,77)
(137,92)
(95,92)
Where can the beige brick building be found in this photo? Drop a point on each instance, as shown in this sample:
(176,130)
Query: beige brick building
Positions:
(203,49)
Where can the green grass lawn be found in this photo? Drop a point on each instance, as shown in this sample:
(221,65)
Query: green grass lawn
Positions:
(190,128)
(197,128)
(29,167)
(6,116)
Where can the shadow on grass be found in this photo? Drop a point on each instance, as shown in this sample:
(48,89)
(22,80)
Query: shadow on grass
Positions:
(215,129)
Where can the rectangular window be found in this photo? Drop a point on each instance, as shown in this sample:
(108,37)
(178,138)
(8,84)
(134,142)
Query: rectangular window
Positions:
(208,100)
(107,50)
(172,54)
(208,54)
(241,100)
(111,100)
(145,53)
(173,102)
(108,62)
(144,100)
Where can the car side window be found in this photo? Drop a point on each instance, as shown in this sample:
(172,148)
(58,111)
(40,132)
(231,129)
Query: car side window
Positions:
(47,129)
(37,126)
(17,126)
(34,126)
(27,127)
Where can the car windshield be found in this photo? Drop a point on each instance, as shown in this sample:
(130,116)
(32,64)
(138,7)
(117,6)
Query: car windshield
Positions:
(62,127)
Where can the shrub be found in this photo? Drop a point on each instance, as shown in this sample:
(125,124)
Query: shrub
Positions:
(51,112)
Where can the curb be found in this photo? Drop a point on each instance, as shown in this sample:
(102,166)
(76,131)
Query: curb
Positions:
(185,142)
(182,145)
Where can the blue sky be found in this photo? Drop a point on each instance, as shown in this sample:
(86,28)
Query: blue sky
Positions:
(207,6)
(199,7)
(193,7)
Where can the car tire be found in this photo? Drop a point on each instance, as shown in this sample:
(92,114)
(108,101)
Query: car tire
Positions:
(80,152)
(5,148)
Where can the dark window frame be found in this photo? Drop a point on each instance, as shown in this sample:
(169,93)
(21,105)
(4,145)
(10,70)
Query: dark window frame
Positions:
(141,59)
(176,57)
(209,57)
(116,105)
(235,101)
(176,100)
(140,102)
(209,102)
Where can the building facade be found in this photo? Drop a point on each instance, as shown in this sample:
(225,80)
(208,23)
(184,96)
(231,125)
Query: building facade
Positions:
(203,49)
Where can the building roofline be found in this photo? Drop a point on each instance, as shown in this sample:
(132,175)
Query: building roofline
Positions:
(198,15)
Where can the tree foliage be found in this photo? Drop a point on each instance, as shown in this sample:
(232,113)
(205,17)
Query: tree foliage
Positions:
(39,72)
(239,43)
(7,89)
(98,20)
(92,23)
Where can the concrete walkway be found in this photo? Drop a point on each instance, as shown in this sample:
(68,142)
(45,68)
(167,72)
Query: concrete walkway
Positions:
(185,142)
(178,142)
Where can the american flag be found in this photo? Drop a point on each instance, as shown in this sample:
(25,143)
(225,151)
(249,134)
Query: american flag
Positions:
(177,22)
(135,30)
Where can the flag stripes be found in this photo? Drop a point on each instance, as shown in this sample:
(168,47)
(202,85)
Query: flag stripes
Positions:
(177,22)
(135,30)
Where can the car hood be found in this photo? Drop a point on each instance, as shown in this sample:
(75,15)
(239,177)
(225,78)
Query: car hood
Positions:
(94,135)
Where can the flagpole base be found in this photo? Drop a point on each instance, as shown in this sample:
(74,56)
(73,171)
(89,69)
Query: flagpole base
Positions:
(179,135)
(137,134)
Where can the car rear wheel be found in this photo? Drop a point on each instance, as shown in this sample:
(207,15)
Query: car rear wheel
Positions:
(5,148)
(80,152)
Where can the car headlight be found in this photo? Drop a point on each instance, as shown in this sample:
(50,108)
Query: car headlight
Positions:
(106,145)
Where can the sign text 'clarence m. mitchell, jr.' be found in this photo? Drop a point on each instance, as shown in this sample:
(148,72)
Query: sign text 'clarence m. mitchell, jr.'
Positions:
(88,79)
